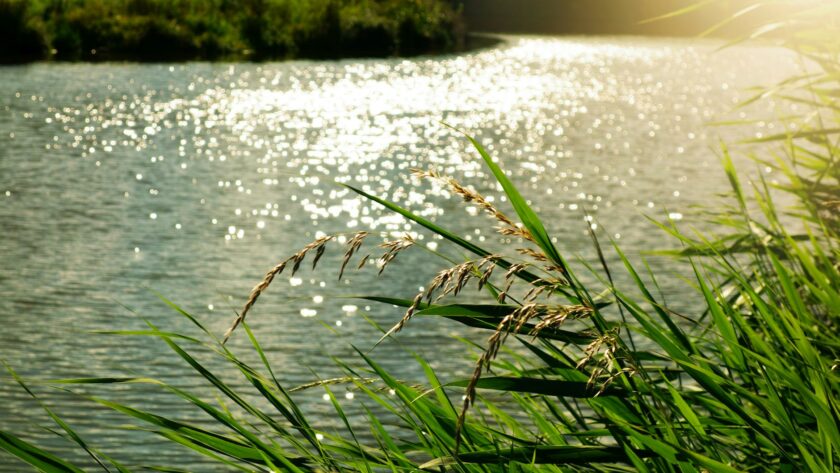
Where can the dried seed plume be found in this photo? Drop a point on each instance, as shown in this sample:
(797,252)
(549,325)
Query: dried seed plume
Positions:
(393,248)
(353,245)
(550,315)
(506,225)
(318,246)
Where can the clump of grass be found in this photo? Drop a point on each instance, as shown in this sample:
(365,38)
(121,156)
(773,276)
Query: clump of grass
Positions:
(603,378)
(752,385)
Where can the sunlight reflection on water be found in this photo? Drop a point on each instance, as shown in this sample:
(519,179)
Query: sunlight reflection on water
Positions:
(194,179)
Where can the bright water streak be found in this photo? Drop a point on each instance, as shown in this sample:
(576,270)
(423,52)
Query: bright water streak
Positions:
(193,179)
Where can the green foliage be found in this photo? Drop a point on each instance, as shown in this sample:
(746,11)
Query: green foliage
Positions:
(23,35)
(185,29)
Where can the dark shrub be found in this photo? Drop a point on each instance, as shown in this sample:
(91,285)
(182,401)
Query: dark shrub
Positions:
(321,37)
(22,35)
(425,27)
(151,38)
(66,41)
(267,29)
(367,40)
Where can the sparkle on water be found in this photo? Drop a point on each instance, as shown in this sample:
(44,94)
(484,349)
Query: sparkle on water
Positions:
(209,174)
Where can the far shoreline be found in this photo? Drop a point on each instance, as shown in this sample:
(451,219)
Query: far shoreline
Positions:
(473,42)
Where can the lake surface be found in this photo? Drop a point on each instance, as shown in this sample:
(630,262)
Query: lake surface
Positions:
(192,180)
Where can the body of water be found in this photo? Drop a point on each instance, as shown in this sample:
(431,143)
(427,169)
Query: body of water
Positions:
(191,180)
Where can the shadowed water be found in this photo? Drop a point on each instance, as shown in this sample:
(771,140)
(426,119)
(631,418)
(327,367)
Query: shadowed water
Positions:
(191,180)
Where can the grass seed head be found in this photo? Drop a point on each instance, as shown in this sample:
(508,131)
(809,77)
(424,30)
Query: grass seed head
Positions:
(506,225)
(392,249)
(353,245)
(318,245)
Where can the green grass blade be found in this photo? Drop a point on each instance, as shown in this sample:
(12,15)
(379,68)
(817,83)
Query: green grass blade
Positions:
(556,455)
(528,217)
(549,387)
(37,457)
